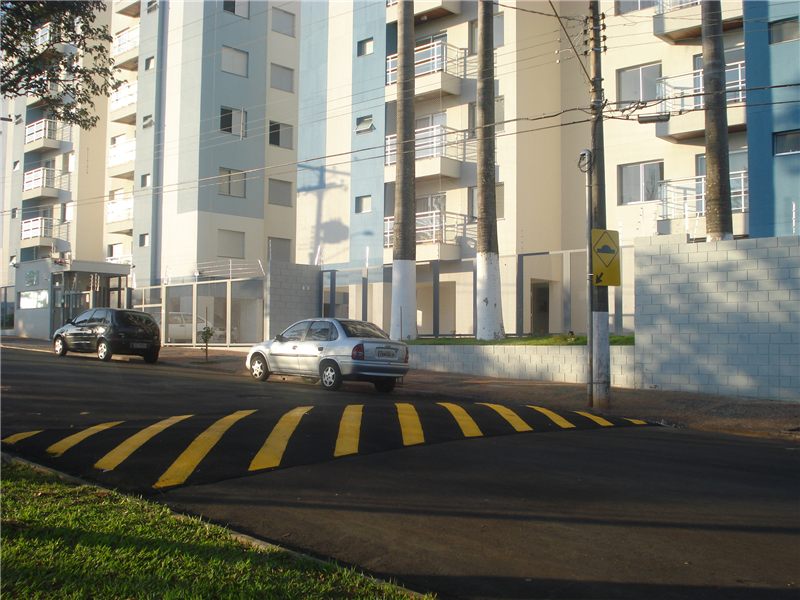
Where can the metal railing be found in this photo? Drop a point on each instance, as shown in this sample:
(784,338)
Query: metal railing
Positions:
(229,269)
(431,58)
(684,92)
(433,227)
(45,227)
(45,178)
(48,129)
(122,259)
(122,153)
(126,40)
(430,142)
(665,6)
(124,96)
(681,198)
(120,210)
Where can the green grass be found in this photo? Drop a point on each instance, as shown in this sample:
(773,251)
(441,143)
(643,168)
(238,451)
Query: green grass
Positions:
(561,339)
(68,541)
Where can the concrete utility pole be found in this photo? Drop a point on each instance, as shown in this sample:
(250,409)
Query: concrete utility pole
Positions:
(404,264)
(601,367)
(719,220)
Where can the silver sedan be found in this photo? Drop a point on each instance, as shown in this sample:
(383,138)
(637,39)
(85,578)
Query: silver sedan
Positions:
(333,350)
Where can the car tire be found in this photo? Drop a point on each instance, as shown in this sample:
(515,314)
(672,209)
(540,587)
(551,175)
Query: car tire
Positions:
(150,358)
(103,351)
(386,384)
(60,346)
(330,376)
(258,368)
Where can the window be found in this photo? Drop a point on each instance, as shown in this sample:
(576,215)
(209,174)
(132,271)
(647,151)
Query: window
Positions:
(239,8)
(234,61)
(784,31)
(626,6)
(499,35)
(233,121)
(500,202)
(280,134)
(637,84)
(38,299)
(149,63)
(230,244)
(364,124)
(279,192)
(114,250)
(279,249)
(787,142)
(144,240)
(365,47)
(282,22)
(152,5)
(16,165)
(281,78)
(146,180)
(363,204)
(147,121)
(68,212)
(499,117)
(639,182)
(320,331)
(231,182)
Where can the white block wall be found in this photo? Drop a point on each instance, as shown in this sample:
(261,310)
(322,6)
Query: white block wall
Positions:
(719,317)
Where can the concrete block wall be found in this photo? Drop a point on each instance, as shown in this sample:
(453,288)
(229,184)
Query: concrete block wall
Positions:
(293,293)
(718,317)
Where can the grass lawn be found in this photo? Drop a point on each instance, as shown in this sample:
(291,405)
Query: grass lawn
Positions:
(67,541)
(561,339)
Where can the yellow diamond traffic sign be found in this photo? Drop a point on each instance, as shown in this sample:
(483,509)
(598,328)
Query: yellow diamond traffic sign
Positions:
(605,257)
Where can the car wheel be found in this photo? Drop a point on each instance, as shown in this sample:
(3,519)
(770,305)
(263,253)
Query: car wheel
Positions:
(331,376)
(150,358)
(103,351)
(385,385)
(258,368)
(60,346)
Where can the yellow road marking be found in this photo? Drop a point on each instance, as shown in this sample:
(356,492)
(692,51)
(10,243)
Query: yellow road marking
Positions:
(468,427)
(596,419)
(557,419)
(272,451)
(112,460)
(636,421)
(59,448)
(410,425)
(13,439)
(349,431)
(197,450)
(510,416)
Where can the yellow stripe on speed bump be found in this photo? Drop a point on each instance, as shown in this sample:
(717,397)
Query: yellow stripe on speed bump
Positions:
(197,450)
(557,419)
(112,460)
(636,421)
(13,439)
(272,451)
(410,425)
(468,426)
(59,448)
(596,419)
(349,431)
(510,416)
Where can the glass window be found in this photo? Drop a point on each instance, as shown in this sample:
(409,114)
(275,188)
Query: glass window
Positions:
(237,7)
(364,124)
(149,63)
(500,204)
(363,204)
(233,121)
(231,183)
(319,331)
(785,30)
(365,47)
(83,317)
(230,244)
(279,192)
(234,61)
(626,6)
(498,32)
(638,84)
(639,182)
(362,329)
(280,134)
(281,78)
(787,142)
(282,22)
(295,332)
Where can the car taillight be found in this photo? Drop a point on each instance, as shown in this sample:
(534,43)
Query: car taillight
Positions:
(358,352)
(406,360)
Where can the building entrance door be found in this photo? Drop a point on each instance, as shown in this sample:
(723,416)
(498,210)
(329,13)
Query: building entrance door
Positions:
(540,308)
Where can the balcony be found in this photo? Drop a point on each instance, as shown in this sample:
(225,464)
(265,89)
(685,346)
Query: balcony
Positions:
(36,101)
(677,20)
(129,8)
(437,236)
(47,39)
(119,214)
(121,159)
(682,97)
(123,104)
(425,10)
(44,183)
(122,259)
(46,135)
(439,152)
(125,49)
(438,70)
(44,231)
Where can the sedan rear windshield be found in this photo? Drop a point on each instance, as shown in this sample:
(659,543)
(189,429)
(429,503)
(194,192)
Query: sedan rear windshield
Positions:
(360,329)
(133,319)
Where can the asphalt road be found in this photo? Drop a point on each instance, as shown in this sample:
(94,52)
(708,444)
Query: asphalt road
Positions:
(478,507)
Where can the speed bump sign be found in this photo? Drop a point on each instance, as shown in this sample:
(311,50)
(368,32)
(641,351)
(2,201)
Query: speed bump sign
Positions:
(605,257)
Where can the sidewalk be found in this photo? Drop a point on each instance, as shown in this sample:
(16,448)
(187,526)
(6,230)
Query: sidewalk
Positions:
(740,416)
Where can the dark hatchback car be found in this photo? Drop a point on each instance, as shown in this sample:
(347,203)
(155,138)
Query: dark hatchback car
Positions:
(110,331)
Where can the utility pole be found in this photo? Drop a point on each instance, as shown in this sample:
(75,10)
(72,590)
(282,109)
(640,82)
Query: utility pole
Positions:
(601,363)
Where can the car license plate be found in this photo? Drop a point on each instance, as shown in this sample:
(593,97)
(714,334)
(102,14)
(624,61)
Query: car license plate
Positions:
(384,353)
(138,345)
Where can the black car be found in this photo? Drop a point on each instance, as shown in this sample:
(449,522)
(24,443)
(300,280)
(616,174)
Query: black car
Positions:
(110,331)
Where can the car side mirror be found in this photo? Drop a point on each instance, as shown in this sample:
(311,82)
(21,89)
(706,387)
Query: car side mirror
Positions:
(70,322)
(280,338)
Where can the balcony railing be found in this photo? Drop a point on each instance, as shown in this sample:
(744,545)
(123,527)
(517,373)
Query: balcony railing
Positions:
(48,129)
(46,34)
(684,92)
(123,259)
(124,96)
(126,40)
(45,227)
(120,210)
(665,6)
(436,226)
(431,142)
(122,153)
(431,58)
(681,198)
(45,178)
